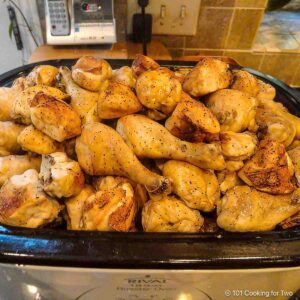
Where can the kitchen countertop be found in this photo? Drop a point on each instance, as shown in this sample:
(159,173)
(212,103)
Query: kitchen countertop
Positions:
(120,50)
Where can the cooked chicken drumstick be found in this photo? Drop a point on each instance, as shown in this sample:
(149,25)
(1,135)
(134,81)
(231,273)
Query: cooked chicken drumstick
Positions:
(149,139)
(102,151)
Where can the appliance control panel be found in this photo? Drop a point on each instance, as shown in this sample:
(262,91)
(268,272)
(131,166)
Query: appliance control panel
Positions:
(59,18)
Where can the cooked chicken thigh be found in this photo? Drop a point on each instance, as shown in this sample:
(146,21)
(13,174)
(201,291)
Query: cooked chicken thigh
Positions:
(102,151)
(91,73)
(33,140)
(158,90)
(192,121)
(110,210)
(234,165)
(7,98)
(228,180)
(142,64)
(149,139)
(245,82)
(117,100)
(269,170)
(245,209)
(234,110)
(42,75)
(266,92)
(55,118)
(275,127)
(294,155)
(170,215)
(82,101)
(17,164)
(61,176)
(199,189)
(279,109)
(125,76)
(24,100)
(9,133)
(238,146)
(23,202)
(74,206)
(209,75)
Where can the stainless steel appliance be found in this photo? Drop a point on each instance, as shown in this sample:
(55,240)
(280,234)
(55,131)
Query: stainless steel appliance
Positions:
(50,263)
(71,22)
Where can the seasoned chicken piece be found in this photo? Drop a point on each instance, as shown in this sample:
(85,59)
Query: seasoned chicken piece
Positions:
(245,82)
(280,110)
(82,101)
(199,189)
(149,139)
(294,155)
(90,73)
(266,92)
(55,118)
(245,209)
(290,222)
(102,151)
(110,210)
(24,100)
(170,215)
(17,164)
(23,202)
(117,100)
(31,139)
(234,165)
(234,110)
(42,75)
(7,98)
(156,115)
(61,176)
(238,146)
(209,75)
(275,127)
(125,76)
(105,183)
(228,180)
(158,90)
(9,132)
(142,64)
(74,206)
(269,170)
(192,121)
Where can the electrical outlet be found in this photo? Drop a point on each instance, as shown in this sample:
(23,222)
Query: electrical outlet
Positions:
(170,17)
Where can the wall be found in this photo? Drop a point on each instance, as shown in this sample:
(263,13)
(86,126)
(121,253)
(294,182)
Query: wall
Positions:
(10,56)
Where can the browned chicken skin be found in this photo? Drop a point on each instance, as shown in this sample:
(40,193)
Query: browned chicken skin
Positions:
(91,73)
(142,64)
(24,203)
(170,215)
(245,209)
(269,170)
(117,100)
(110,210)
(234,110)
(245,82)
(209,75)
(42,75)
(159,90)
(148,139)
(192,121)
(198,188)
(102,151)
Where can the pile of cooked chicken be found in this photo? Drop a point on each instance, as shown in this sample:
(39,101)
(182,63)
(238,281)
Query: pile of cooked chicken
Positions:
(147,148)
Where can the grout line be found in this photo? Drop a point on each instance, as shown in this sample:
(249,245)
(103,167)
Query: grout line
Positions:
(229,28)
(261,62)
(233,7)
